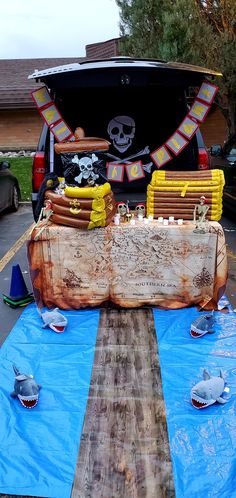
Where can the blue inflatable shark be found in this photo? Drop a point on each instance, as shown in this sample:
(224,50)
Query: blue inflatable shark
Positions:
(208,391)
(54,320)
(25,389)
(202,325)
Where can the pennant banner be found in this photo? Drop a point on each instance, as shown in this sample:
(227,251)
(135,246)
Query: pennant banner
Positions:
(176,143)
(161,156)
(115,172)
(199,110)
(207,92)
(188,127)
(61,131)
(134,171)
(186,130)
(51,115)
(41,97)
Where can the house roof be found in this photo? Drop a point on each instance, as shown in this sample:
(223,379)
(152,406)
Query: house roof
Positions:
(15,87)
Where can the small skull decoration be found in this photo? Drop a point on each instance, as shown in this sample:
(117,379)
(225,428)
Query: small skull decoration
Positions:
(140,210)
(86,169)
(121,130)
(122,209)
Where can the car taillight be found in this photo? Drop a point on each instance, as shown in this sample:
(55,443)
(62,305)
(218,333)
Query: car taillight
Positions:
(203,159)
(39,170)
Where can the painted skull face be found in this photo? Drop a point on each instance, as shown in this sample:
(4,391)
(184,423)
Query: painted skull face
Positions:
(122,208)
(86,166)
(121,130)
(140,209)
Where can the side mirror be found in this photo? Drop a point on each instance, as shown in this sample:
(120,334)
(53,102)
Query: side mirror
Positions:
(4,165)
(216,150)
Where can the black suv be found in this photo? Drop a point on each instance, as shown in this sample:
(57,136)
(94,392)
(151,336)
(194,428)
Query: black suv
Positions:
(135,104)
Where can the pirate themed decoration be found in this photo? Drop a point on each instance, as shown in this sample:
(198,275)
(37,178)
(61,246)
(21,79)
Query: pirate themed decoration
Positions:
(121,131)
(202,326)
(140,210)
(122,210)
(54,320)
(50,182)
(208,391)
(83,207)
(51,115)
(199,216)
(176,193)
(25,389)
(44,218)
(82,165)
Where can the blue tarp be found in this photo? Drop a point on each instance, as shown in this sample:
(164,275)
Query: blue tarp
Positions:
(202,442)
(38,447)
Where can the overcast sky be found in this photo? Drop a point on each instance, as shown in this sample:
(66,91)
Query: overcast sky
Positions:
(55,28)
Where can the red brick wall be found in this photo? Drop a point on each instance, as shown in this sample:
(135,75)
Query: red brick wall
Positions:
(19,129)
(103,50)
(214,129)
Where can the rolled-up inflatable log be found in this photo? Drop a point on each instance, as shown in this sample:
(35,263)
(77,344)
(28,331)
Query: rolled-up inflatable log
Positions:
(97,192)
(86,144)
(79,223)
(83,214)
(97,205)
(213,174)
(175,194)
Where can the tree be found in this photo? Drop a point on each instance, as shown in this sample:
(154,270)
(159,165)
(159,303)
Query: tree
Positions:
(193,31)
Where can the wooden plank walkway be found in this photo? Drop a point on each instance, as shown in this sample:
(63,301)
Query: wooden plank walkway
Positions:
(124,449)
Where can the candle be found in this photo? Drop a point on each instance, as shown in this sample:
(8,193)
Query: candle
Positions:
(165,222)
(117,220)
(171,219)
(160,219)
(180,221)
(150,217)
(146,221)
(132,222)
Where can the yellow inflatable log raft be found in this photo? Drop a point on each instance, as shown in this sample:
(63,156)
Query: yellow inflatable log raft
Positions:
(175,193)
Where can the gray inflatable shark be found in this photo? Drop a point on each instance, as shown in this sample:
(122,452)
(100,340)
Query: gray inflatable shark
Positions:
(55,320)
(202,325)
(208,391)
(25,389)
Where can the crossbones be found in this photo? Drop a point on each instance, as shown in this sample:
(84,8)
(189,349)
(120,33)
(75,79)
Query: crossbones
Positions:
(147,167)
(86,168)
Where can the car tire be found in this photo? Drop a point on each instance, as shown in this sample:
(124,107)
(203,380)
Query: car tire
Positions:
(15,199)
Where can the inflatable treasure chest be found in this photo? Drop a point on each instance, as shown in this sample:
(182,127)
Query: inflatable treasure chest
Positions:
(82,161)
(83,207)
(175,193)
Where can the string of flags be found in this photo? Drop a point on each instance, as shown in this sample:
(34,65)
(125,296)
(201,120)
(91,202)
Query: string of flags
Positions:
(51,115)
(174,145)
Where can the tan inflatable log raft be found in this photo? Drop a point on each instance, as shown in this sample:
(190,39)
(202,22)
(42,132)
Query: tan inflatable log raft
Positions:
(80,223)
(96,205)
(80,212)
(82,144)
